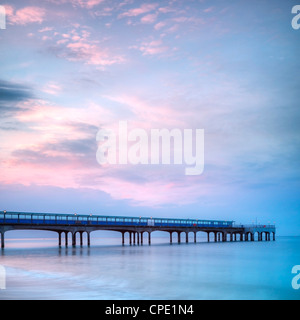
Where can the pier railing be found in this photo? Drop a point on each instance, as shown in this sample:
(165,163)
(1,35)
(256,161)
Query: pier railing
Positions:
(96,220)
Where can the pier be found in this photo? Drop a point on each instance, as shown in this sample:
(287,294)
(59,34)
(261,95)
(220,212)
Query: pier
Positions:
(131,228)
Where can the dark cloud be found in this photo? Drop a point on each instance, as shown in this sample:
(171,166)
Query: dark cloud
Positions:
(11,94)
(81,147)
(65,152)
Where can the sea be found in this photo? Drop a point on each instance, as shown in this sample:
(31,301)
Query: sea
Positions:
(37,269)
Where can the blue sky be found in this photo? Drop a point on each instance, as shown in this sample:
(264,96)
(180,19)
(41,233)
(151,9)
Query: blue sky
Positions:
(71,67)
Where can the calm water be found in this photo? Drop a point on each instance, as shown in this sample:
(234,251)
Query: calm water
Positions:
(261,270)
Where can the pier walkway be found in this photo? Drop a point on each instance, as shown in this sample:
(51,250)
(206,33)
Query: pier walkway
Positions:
(134,227)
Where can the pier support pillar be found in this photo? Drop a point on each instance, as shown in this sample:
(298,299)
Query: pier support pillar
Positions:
(88,239)
(66,238)
(179,238)
(134,243)
(81,238)
(195,237)
(171,238)
(216,237)
(149,238)
(138,238)
(2,240)
(130,238)
(208,240)
(59,239)
(123,238)
(74,239)
(142,238)
(187,237)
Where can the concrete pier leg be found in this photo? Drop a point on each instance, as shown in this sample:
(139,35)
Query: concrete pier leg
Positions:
(2,240)
(123,238)
(130,238)
(74,239)
(171,238)
(134,238)
(216,239)
(179,238)
(195,237)
(149,239)
(88,239)
(81,238)
(208,239)
(274,236)
(66,238)
(142,238)
(187,237)
(59,239)
(138,238)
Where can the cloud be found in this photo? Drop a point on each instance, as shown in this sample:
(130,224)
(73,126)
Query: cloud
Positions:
(88,4)
(160,25)
(10,91)
(52,88)
(153,48)
(145,8)
(26,15)
(11,94)
(149,18)
(91,54)
(77,45)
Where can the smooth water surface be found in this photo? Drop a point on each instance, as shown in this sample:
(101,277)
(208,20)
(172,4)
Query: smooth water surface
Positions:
(38,269)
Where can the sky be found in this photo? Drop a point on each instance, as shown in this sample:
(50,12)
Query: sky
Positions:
(69,68)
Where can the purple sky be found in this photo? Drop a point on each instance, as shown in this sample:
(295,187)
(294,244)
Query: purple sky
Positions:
(71,67)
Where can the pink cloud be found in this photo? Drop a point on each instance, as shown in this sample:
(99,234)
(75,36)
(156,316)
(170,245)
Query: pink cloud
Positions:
(89,4)
(153,48)
(210,9)
(149,18)
(149,114)
(78,45)
(160,25)
(26,15)
(92,54)
(145,8)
